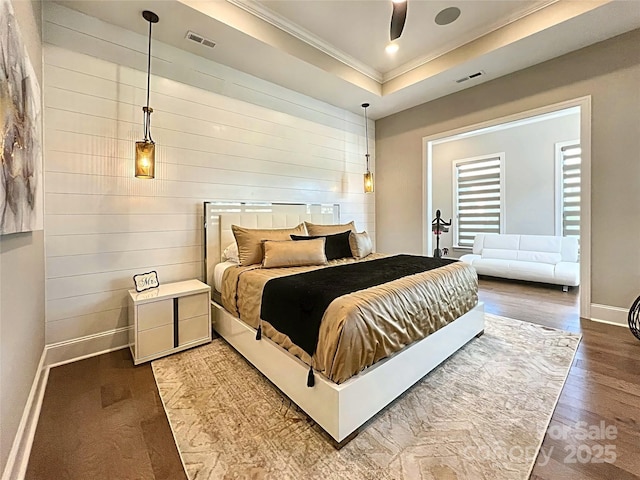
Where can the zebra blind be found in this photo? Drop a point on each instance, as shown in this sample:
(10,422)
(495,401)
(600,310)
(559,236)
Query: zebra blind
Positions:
(570,194)
(478,198)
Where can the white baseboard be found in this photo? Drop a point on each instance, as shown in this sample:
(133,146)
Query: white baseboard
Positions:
(611,315)
(54,355)
(18,459)
(85,347)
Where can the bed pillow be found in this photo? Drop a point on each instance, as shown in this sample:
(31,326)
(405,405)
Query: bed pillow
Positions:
(286,253)
(231,253)
(316,230)
(336,246)
(361,244)
(249,240)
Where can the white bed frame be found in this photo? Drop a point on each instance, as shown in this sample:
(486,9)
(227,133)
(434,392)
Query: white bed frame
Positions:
(339,409)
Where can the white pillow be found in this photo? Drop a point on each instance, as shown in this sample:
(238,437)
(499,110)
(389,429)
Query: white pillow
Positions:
(231,253)
(361,244)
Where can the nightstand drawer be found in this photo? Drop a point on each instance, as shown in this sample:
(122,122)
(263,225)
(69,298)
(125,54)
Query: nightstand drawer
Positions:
(155,340)
(194,328)
(155,314)
(193,306)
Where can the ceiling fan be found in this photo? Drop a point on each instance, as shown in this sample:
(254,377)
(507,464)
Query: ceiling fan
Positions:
(398,17)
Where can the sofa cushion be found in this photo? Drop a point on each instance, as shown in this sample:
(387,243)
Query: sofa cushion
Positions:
(541,243)
(503,241)
(499,253)
(570,249)
(537,272)
(478,243)
(492,266)
(538,257)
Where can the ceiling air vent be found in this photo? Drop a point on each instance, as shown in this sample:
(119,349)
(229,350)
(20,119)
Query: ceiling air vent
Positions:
(194,37)
(469,77)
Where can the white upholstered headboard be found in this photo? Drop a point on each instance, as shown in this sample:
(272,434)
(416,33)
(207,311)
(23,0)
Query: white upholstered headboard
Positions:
(219,216)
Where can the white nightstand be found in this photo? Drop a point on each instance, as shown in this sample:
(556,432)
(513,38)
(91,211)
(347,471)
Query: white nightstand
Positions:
(168,319)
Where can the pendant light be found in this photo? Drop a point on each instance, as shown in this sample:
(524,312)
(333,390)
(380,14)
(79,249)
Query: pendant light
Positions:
(146,149)
(368,176)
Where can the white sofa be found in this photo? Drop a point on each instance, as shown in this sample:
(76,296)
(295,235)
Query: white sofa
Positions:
(536,258)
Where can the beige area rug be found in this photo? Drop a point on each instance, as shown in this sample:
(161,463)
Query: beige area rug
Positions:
(481,415)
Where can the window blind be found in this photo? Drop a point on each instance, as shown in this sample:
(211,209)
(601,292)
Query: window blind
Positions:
(478,198)
(571,163)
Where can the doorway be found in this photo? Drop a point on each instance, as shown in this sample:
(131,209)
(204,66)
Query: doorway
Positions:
(557,208)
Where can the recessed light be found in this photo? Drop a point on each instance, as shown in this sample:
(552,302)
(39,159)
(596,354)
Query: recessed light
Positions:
(447,16)
(391,48)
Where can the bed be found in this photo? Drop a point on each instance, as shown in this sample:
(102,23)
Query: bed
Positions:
(362,361)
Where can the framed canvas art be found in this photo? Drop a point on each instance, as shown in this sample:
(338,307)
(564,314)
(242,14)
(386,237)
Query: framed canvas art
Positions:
(20,132)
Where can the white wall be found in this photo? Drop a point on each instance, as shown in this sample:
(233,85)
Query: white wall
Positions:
(21,283)
(220,135)
(529,170)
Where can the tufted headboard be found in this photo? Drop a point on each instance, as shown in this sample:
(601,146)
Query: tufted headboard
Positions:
(219,216)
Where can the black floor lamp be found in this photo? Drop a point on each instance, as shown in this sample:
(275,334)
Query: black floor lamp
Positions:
(439,226)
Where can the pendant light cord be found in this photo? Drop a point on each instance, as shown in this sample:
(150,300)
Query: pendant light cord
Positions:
(147,122)
(366,135)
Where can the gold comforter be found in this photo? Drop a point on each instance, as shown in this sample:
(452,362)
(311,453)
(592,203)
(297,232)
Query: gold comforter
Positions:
(360,328)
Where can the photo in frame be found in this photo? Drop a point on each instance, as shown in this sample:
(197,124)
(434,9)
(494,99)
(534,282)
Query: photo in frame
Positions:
(146,281)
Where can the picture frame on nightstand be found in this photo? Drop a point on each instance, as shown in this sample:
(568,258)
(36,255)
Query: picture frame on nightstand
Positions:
(146,281)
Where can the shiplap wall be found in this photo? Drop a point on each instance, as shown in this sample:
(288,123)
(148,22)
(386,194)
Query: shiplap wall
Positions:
(102,225)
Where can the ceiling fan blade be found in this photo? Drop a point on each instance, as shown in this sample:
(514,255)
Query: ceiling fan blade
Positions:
(398,17)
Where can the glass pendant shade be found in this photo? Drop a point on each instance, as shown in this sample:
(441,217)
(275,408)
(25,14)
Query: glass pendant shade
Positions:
(145,159)
(368,182)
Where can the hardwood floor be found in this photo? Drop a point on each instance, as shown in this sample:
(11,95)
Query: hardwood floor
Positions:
(102,417)
(603,386)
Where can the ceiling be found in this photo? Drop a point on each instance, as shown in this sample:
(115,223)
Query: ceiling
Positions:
(334,50)
(360,28)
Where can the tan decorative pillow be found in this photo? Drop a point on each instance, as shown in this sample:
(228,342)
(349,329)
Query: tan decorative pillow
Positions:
(249,240)
(361,244)
(315,229)
(289,253)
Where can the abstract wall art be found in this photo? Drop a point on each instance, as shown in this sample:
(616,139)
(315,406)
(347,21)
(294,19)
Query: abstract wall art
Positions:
(20,132)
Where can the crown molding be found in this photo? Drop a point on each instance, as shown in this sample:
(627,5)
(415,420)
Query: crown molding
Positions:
(258,10)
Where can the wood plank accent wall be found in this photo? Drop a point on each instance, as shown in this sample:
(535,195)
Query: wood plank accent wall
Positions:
(102,225)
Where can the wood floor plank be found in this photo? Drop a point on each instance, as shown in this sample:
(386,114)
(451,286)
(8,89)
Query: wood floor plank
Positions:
(103,418)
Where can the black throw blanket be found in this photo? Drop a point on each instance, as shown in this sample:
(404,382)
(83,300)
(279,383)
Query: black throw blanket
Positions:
(295,304)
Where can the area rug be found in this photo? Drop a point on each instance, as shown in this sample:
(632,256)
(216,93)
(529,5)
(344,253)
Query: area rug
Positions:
(482,414)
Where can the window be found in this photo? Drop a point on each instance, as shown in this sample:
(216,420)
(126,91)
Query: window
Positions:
(568,167)
(477,195)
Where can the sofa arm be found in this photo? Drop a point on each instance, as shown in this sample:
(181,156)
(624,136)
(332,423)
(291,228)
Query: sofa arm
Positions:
(470,258)
(567,273)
